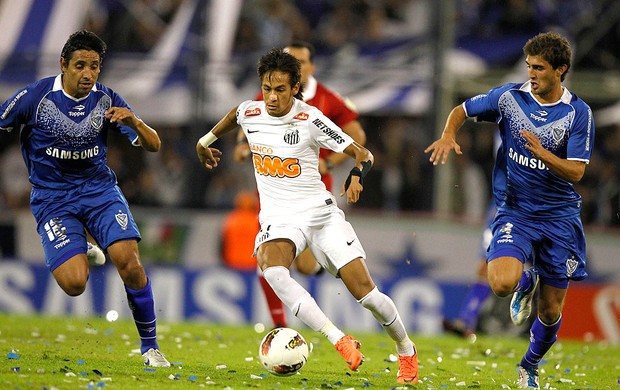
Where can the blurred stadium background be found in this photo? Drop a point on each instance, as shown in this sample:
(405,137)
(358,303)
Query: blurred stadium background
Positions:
(181,64)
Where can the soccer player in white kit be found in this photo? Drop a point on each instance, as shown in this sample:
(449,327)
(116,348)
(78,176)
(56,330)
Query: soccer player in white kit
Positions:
(296,210)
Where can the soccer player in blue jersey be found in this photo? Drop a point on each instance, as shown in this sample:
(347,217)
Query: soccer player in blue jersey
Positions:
(547,134)
(64,123)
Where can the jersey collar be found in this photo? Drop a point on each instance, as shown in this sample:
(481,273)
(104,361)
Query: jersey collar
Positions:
(566,97)
(58,87)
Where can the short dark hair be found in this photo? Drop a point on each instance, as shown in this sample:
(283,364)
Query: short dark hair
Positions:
(83,40)
(279,60)
(299,44)
(552,47)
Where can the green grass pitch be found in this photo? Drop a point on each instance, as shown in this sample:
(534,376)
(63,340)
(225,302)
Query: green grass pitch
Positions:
(41,352)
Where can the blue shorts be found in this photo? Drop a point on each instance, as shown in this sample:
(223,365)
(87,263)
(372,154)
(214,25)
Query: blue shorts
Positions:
(556,248)
(63,215)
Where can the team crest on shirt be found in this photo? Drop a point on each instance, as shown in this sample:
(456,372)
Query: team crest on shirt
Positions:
(122,219)
(96,119)
(302,116)
(571,266)
(291,136)
(558,134)
(252,112)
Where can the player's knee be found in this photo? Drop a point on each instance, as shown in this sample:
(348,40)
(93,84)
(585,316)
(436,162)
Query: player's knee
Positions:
(130,270)
(501,287)
(74,287)
(548,313)
(307,265)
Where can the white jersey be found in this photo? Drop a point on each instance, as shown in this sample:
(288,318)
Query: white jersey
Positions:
(285,154)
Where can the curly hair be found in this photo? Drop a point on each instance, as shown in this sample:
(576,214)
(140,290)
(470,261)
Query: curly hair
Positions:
(552,47)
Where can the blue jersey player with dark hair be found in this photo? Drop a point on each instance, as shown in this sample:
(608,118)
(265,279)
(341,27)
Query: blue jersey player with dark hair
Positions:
(547,137)
(64,123)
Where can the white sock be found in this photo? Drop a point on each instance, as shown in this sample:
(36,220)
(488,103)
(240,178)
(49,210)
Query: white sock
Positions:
(317,268)
(295,297)
(383,309)
(332,333)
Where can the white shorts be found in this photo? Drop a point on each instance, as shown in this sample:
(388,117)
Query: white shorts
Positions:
(333,243)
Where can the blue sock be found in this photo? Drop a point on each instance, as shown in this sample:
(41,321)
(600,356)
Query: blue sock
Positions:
(542,338)
(142,308)
(474,300)
(525,283)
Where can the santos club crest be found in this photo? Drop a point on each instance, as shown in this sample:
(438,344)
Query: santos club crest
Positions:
(291,136)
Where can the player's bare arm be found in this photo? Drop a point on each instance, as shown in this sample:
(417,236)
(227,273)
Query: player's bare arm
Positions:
(354,183)
(147,136)
(440,149)
(209,157)
(569,170)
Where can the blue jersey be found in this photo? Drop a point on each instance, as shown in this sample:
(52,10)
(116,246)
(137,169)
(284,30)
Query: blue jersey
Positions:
(63,139)
(566,128)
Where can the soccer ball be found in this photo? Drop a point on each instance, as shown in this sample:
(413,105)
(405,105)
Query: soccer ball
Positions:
(283,351)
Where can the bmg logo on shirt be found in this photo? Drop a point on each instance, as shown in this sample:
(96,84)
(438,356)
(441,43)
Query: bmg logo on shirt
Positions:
(276,166)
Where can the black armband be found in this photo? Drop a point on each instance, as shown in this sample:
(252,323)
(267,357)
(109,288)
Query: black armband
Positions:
(359,173)
(366,165)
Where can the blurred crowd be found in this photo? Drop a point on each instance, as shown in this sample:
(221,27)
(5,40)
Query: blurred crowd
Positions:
(402,179)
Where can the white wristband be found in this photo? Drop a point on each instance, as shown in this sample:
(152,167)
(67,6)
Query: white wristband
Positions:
(207,139)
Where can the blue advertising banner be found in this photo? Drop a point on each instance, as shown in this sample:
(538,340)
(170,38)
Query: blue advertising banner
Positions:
(219,295)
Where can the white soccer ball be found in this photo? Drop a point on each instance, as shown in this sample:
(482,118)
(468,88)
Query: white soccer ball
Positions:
(283,351)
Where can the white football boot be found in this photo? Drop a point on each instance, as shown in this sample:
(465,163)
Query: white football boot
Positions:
(95,255)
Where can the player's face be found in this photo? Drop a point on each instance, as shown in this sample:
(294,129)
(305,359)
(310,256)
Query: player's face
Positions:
(546,81)
(278,93)
(303,55)
(80,74)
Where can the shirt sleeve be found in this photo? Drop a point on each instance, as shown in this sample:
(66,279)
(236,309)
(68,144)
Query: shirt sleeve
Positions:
(16,110)
(241,108)
(118,101)
(327,134)
(485,107)
(581,139)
